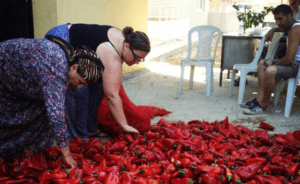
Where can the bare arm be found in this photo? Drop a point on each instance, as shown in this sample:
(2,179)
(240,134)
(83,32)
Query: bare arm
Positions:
(292,47)
(270,34)
(67,157)
(112,77)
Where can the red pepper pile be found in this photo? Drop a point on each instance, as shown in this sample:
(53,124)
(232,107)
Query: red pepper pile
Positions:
(175,153)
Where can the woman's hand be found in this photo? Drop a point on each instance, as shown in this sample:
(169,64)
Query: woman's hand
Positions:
(67,157)
(129,129)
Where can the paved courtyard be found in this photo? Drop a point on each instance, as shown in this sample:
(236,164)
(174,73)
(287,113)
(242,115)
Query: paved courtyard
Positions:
(157,85)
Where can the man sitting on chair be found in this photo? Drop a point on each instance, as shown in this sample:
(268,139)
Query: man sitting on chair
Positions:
(272,71)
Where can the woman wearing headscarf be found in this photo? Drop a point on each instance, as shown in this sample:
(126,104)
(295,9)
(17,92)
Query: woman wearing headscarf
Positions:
(34,77)
(114,47)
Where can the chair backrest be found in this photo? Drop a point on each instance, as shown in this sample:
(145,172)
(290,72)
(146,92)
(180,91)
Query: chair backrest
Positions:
(273,46)
(259,51)
(271,49)
(205,38)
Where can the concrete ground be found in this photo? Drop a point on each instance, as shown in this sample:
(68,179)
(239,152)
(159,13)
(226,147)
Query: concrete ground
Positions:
(157,85)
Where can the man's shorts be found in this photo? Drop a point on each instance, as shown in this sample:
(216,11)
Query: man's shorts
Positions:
(283,72)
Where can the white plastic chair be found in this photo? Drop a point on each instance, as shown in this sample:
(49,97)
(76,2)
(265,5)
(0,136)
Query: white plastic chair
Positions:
(203,55)
(252,67)
(292,86)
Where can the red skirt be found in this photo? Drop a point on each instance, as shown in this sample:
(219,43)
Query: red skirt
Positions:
(138,116)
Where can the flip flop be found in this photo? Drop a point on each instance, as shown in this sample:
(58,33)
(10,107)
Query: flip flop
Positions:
(99,134)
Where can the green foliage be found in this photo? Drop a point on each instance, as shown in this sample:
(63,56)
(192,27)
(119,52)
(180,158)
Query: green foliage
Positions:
(253,18)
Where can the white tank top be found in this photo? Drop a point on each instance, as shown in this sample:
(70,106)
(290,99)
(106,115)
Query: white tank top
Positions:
(297,56)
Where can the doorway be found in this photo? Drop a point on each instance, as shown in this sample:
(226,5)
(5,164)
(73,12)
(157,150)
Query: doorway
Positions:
(16,19)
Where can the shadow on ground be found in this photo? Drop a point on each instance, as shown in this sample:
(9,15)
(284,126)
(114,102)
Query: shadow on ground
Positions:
(157,85)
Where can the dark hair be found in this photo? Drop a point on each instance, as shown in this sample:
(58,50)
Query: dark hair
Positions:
(90,67)
(284,9)
(137,40)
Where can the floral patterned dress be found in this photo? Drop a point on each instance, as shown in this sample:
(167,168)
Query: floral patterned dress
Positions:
(33,83)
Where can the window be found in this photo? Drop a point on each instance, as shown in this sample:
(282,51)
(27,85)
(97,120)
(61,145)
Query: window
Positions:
(200,5)
(226,1)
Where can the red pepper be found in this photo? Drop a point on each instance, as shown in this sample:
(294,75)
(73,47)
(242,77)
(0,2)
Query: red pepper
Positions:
(151,180)
(256,160)
(168,143)
(210,170)
(231,131)
(76,174)
(150,135)
(113,177)
(114,167)
(89,180)
(251,182)
(4,178)
(145,170)
(64,181)
(236,179)
(276,170)
(92,149)
(168,167)
(186,173)
(101,176)
(18,170)
(175,156)
(259,179)
(50,153)
(263,136)
(32,166)
(50,176)
(266,126)
(126,178)
(89,143)
(77,156)
(209,179)
(271,179)
(183,162)
(165,178)
(175,180)
(129,138)
(228,175)
(39,159)
(169,133)
(97,157)
(159,154)
(133,144)
(186,181)
(55,162)
(16,181)
(113,157)
(139,161)
(149,155)
(222,179)
(77,142)
(206,157)
(192,157)
(247,172)
(170,153)
(281,140)
(188,145)
(3,167)
(118,146)
(139,180)
(103,166)
(75,149)
(160,146)
(155,168)
(89,169)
